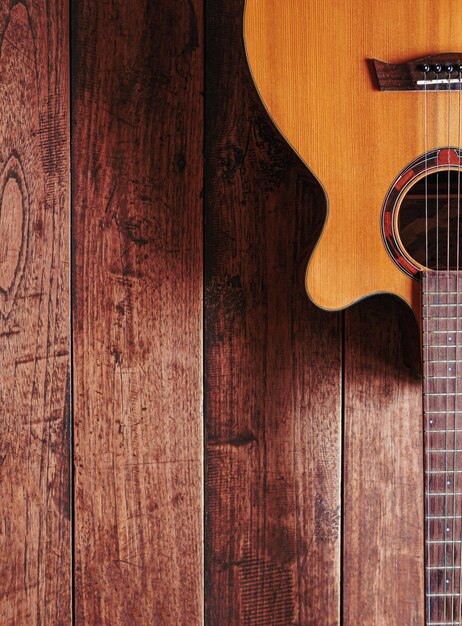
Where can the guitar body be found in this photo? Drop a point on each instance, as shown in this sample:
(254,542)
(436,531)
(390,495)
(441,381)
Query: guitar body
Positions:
(311,63)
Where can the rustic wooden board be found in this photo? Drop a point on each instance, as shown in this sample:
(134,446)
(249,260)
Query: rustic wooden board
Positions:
(137,227)
(34,314)
(383,480)
(272,366)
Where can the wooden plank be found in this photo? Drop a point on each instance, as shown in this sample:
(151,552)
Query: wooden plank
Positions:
(272,366)
(383,488)
(34,314)
(137,164)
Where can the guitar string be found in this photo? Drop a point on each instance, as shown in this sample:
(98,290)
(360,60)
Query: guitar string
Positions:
(447,479)
(446,445)
(438,328)
(457,318)
(427,503)
(448,266)
(456,373)
(447,486)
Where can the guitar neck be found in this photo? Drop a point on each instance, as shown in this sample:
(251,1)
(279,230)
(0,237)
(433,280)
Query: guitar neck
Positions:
(442,357)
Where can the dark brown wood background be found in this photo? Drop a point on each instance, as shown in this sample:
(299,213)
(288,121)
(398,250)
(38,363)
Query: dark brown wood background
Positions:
(174,407)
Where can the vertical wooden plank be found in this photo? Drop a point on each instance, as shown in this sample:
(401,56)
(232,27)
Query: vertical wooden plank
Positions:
(272,366)
(383,525)
(137,228)
(34,314)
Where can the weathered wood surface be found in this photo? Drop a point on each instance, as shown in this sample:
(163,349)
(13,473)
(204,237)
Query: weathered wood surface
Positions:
(383,470)
(272,366)
(273,363)
(34,314)
(137,227)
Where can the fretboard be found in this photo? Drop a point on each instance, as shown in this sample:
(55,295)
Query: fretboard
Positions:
(442,357)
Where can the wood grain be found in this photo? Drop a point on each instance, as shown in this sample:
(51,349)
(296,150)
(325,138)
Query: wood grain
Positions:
(137,224)
(383,470)
(272,366)
(355,139)
(35,568)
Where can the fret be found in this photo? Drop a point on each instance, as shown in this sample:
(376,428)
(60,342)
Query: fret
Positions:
(444,431)
(443,541)
(445,517)
(451,412)
(444,361)
(428,332)
(438,359)
(443,471)
(442,393)
(442,304)
(442,451)
(448,493)
(438,567)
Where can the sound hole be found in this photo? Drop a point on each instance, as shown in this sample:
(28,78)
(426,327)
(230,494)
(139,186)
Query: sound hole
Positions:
(439,196)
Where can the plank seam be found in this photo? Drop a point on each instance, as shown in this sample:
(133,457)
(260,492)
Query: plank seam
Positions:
(71,9)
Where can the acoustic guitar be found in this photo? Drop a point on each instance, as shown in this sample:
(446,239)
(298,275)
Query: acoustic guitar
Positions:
(369,96)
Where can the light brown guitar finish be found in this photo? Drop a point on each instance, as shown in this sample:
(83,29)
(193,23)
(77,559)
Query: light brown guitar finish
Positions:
(309,62)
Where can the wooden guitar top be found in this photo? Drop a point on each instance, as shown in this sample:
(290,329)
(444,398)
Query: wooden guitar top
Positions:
(311,63)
